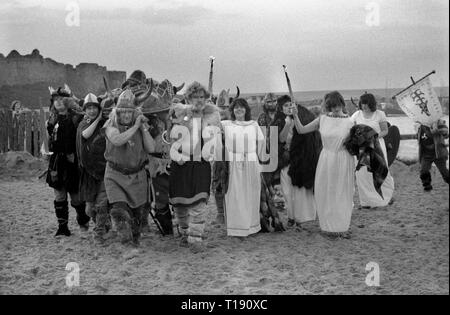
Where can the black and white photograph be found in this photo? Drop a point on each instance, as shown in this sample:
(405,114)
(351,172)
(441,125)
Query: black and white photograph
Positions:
(223,153)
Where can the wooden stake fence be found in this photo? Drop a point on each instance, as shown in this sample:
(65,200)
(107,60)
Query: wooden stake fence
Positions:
(23,132)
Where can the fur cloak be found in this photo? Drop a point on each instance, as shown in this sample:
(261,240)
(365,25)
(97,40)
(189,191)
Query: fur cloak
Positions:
(304,153)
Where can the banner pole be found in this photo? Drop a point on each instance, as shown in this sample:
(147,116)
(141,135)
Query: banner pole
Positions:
(414,83)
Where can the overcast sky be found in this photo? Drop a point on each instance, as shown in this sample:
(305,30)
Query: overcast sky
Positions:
(326,44)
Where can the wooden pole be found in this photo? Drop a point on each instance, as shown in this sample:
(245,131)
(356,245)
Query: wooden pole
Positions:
(8,119)
(291,93)
(35,127)
(28,132)
(21,132)
(414,83)
(211,72)
(15,132)
(3,143)
(43,130)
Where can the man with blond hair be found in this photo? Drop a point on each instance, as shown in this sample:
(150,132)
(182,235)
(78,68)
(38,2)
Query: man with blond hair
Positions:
(190,177)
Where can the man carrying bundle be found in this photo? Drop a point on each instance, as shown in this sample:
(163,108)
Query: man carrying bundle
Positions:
(126,183)
(91,144)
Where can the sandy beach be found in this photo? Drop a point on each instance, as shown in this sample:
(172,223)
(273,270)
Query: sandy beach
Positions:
(408,240)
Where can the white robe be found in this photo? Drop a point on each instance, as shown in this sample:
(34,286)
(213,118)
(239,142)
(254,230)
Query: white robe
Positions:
(368,196)
(244,189)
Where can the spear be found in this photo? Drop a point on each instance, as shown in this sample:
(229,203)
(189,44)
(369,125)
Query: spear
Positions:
(108,92)
(210,85)
(288,83)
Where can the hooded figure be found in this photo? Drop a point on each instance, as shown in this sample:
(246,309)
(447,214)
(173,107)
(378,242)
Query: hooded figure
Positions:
(126,183)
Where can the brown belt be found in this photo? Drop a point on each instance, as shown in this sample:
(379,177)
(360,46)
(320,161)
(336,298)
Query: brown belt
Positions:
(126,170)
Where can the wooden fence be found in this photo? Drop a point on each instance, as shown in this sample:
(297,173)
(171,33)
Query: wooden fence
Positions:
(23,132)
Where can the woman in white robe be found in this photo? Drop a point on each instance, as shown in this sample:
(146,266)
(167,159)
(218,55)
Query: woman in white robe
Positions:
(369,115)
(243,141)
(334,181)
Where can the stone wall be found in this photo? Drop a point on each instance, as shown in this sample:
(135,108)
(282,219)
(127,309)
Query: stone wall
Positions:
(27,78)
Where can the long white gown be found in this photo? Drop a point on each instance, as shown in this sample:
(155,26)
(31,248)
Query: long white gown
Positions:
(244,188)
(368,196)
(334,182)
(300,202)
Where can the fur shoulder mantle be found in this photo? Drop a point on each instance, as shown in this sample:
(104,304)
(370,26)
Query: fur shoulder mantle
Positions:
(183,114)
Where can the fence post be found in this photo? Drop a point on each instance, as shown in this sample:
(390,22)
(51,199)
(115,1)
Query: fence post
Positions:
(36,130)
(2,131)
(20,132)
(28,133)
(15,132)
(43,129)
(8,130)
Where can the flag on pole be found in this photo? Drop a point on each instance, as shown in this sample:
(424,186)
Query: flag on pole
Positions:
(420,102)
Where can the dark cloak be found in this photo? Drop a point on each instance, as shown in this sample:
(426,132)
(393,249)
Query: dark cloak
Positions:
(304,153)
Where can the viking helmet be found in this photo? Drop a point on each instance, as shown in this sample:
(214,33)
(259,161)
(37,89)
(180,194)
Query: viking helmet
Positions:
(126,101)
(90,99)
(63,92)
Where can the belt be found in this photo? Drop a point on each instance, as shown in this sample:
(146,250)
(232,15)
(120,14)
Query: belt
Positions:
(126,170)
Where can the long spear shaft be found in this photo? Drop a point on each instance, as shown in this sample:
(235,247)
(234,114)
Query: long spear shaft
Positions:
(288,83)
(108,92)
(211,71)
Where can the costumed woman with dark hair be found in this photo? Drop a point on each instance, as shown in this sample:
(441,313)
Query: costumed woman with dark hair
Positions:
(244,143)
(376,119)
(334,181)
(300,157)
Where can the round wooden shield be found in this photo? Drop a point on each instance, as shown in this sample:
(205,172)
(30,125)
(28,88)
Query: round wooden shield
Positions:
(392,141)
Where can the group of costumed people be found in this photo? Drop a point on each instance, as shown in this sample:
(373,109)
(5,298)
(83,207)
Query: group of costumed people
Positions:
(122,157)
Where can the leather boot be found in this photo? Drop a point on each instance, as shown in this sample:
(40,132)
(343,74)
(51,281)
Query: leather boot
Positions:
(82,218)
(164,218)
(62,214)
